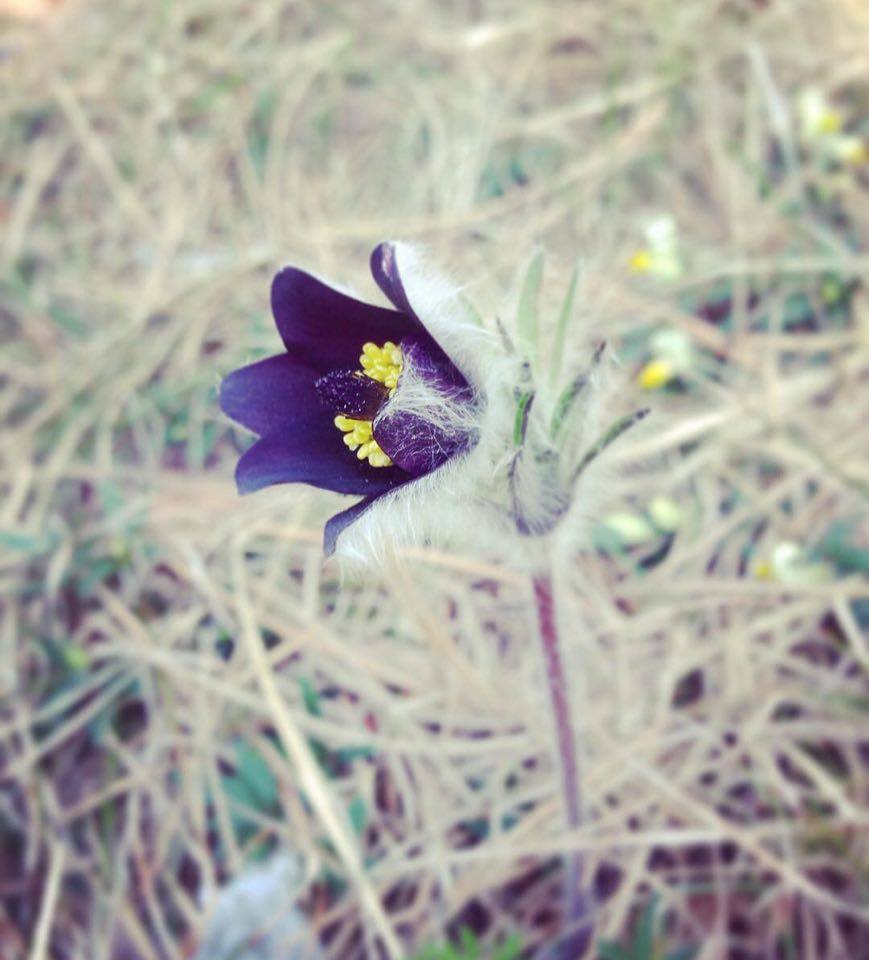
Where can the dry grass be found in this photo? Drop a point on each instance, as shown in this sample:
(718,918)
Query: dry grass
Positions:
(158,161)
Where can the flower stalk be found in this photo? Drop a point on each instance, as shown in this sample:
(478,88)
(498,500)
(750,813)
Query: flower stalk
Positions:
(562,716)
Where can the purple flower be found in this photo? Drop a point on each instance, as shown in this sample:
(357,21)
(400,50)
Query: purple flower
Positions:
(364,400)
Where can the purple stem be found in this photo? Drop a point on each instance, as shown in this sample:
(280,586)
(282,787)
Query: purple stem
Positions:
(560,699)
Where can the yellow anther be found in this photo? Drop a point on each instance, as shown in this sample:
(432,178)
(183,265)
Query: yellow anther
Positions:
(359,436)
(377,458)
(382,364)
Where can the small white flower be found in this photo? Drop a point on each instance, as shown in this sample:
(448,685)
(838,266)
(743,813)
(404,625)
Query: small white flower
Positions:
(632,529)
(660,256)
(791,565)
(673,354)
(666,514)
(821,130)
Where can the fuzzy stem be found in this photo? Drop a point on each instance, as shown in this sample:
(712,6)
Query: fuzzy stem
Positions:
(559,695)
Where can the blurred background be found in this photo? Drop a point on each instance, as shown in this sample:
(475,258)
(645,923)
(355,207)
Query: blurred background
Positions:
(185,688)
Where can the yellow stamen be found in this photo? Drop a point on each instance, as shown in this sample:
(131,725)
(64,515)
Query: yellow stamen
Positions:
(382,364)
(359,436)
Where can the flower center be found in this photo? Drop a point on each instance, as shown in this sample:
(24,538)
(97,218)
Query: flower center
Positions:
(382,364)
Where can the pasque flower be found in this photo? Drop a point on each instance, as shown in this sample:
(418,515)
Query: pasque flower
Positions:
(433,420)
(364,400)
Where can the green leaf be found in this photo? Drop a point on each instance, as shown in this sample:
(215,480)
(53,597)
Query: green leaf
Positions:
(310,697)
(67,319)
(610,950)
(253,784)
(510,949)
(644,939)
(621,425)
(561,329)
(564,403)
(469,948)
(520,422)
(527,319)
(687,952)
(472,311)
(358,813)
(111,496)
(839,547)
(569,395)
(349,754)
(259,132)
(23,542)
(469,943)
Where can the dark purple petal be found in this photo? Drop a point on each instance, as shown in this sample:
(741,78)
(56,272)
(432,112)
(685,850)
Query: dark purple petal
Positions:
(352,393)
(384,269)
(434,366)
(312,451)
(326,328)
(415,444)
(269,395)
(336,525)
